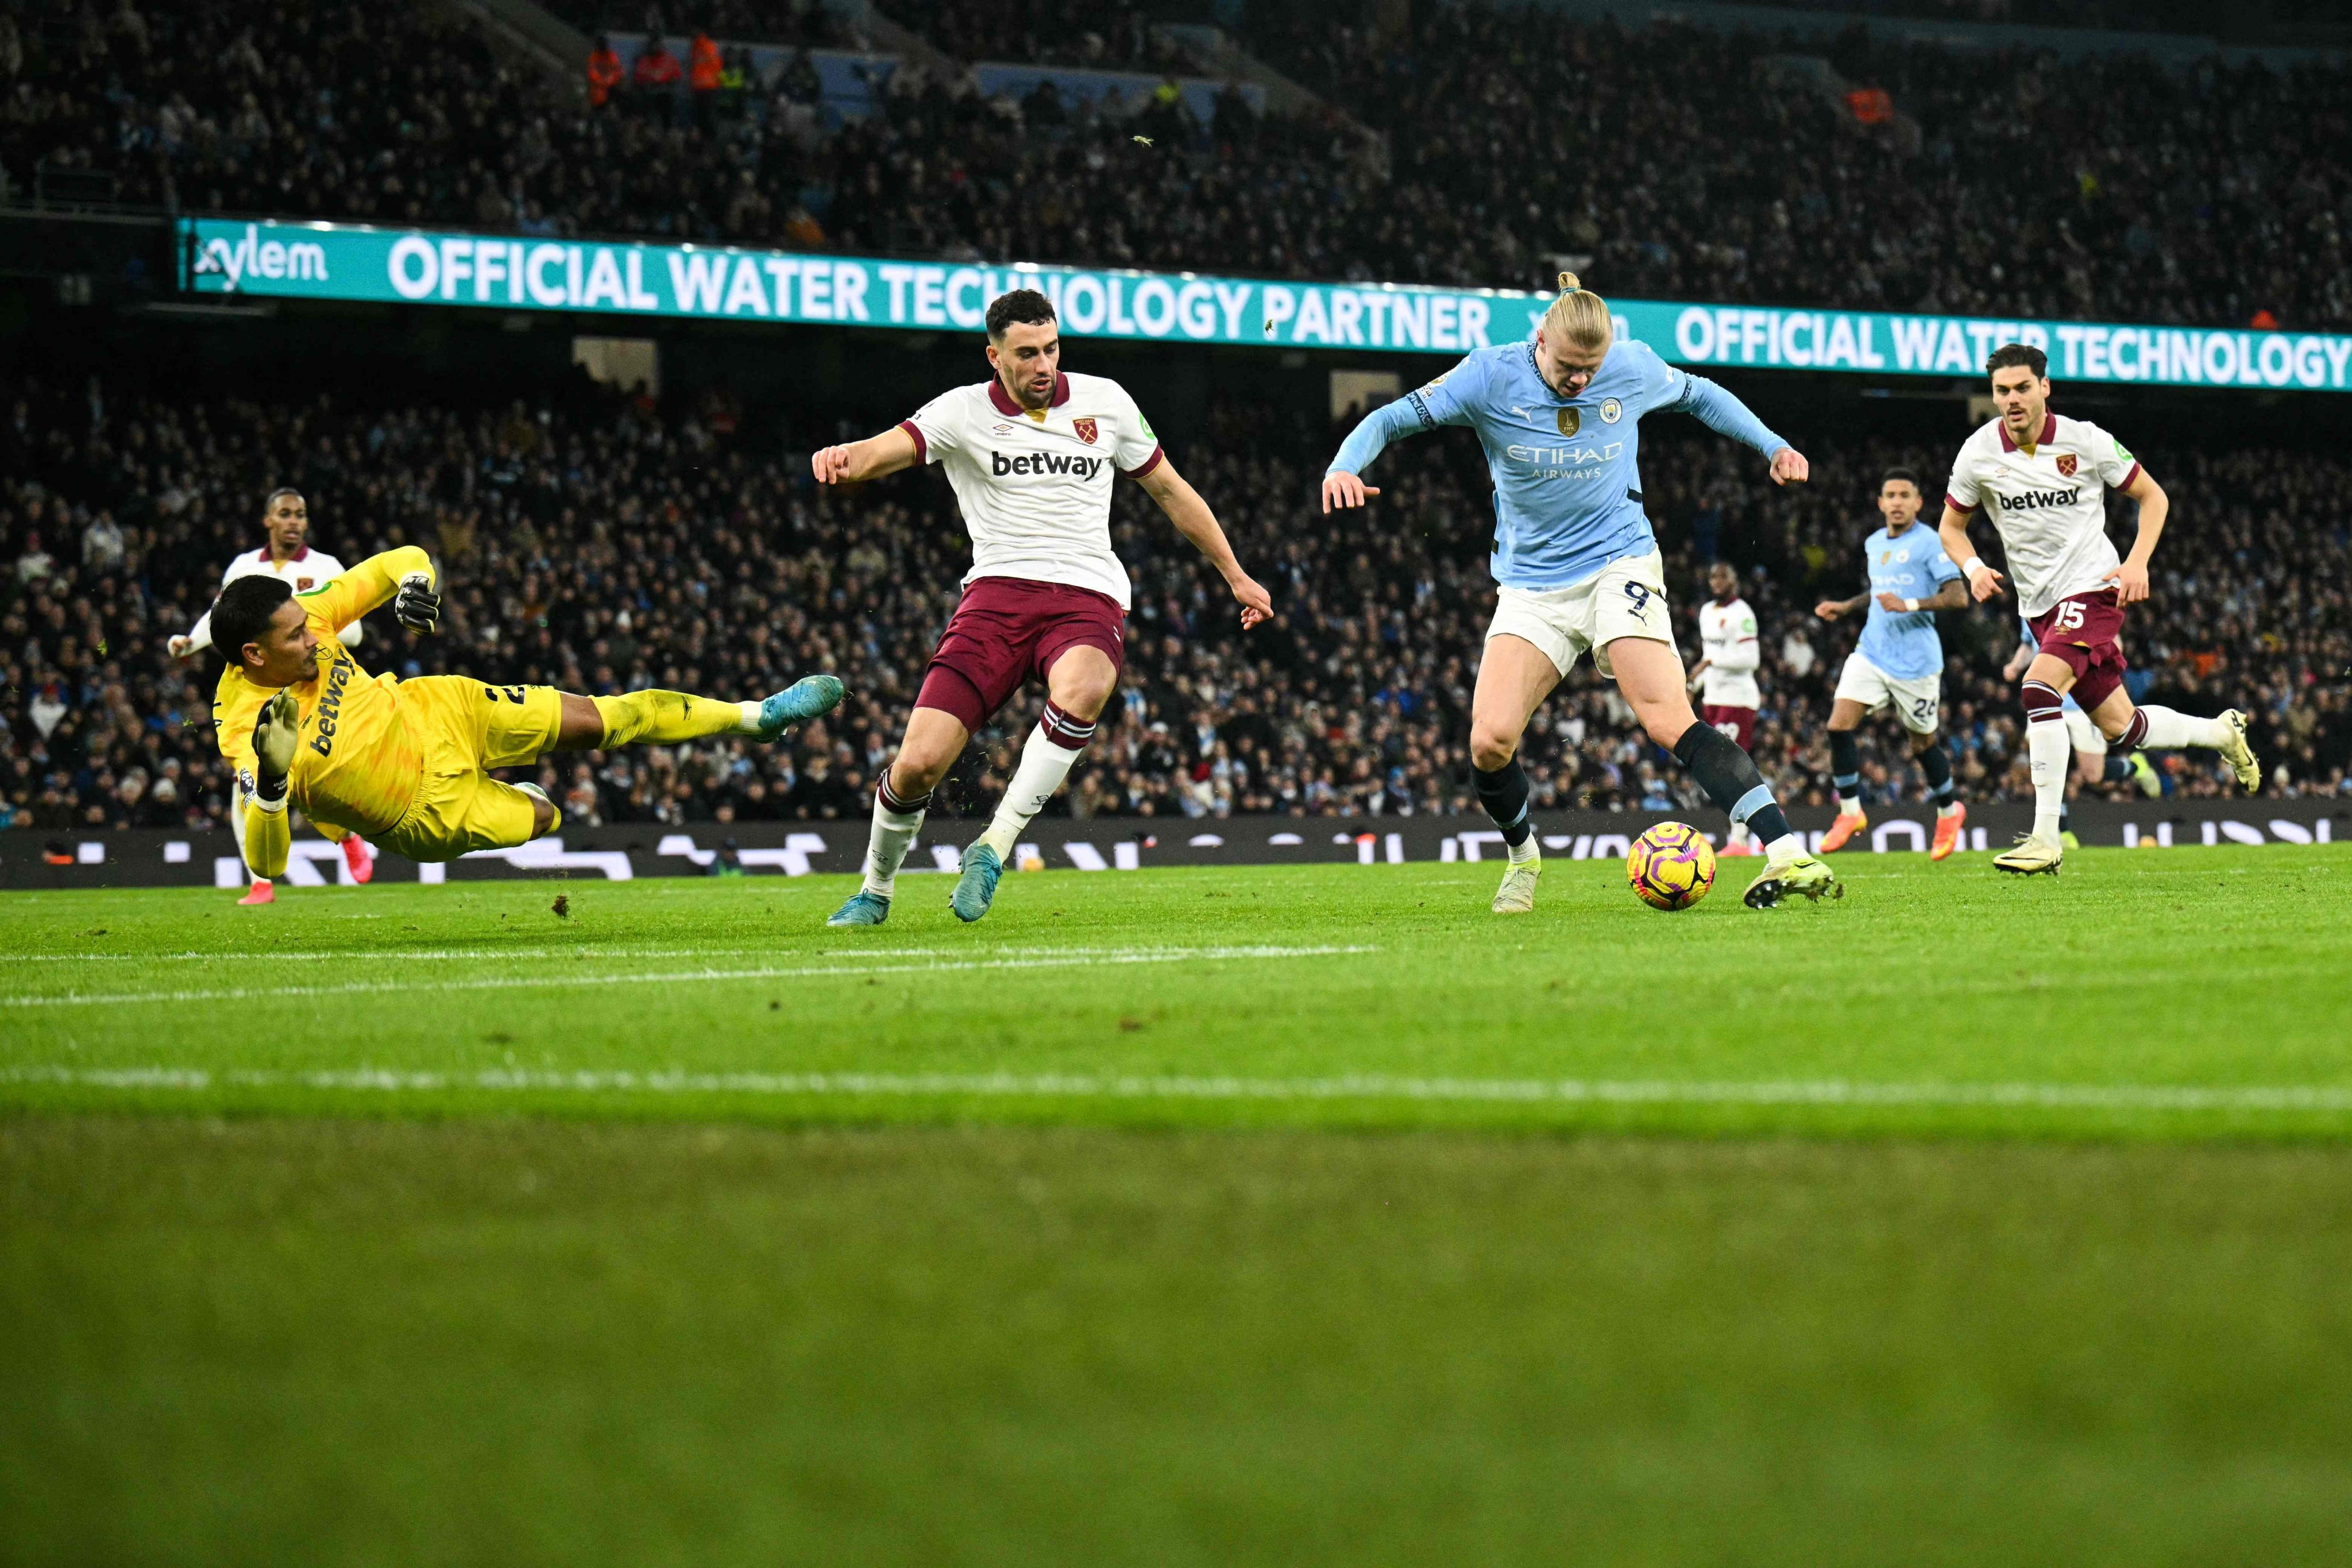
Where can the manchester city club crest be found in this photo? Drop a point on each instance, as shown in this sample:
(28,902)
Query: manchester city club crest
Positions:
(1611,411)
(2066,464)
(1087,430)
(1570,421)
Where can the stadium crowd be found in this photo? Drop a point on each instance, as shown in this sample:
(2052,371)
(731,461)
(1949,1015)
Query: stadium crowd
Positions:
(1931,178)
(598,546)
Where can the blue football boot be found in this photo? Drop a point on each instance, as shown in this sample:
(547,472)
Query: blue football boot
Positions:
(976,889)
(864,908)
(809,697)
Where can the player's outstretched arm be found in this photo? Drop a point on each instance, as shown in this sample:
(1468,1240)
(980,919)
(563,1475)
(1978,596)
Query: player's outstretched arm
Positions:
(2131,577)
(1831,609)
(868,459)
(1983,580)
(1343,485)
(268,835)
(1725,414)
(404,576)
(1196,522)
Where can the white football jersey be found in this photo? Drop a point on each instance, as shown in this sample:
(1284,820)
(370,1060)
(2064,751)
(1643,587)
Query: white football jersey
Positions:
(302,573)
(2050,504)
(1726,635)
(1034,489)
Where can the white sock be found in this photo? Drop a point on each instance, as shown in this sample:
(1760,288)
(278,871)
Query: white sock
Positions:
(885,848)
(750,723)
(1788,847)
(1525,854)
(1949,808)
(2046,749)
(1045,764)
(1850,804)
(1738,835)
(2169,730)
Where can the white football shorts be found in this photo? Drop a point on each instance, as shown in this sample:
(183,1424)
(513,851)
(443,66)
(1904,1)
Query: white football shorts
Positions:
(1624,599)
(1914,701)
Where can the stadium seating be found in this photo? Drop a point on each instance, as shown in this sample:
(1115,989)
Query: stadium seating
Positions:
(596,547)
(1980,182)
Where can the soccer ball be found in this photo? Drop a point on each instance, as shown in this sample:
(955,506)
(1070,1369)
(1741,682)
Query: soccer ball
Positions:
(1671,866)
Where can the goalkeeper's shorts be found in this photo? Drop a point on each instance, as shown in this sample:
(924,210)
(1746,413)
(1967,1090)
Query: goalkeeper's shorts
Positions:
(468,729)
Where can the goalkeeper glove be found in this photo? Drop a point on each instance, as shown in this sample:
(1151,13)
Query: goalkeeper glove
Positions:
(417,606)
(275,734)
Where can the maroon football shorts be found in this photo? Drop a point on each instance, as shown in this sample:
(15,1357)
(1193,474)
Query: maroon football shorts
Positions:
(1007,629)
(1739,723)
(2083,632)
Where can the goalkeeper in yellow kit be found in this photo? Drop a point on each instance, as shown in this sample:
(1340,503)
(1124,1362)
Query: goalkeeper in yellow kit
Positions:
(406,763)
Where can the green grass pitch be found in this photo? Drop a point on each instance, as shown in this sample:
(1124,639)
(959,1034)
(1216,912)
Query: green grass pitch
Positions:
(1181,1217)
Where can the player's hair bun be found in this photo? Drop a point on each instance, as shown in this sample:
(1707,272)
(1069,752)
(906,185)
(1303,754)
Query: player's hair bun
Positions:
(1568,283)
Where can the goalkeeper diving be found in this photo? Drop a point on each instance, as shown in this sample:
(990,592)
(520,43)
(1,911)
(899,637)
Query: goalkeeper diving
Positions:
(407,762)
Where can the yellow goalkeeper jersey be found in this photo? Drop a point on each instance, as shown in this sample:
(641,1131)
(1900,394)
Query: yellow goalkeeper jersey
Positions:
(360,763)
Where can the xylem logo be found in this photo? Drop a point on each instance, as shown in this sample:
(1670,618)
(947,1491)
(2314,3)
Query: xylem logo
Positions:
(1045,463)
(301,260)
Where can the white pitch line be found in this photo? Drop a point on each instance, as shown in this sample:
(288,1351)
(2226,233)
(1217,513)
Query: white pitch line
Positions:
(1065,959)
(469,954)
(1800,1092)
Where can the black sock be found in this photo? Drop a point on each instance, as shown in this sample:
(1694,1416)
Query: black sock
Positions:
(1730,777)
(2118,768)
(2066,815)
(1845,764)
(1937,766)
(1504,794)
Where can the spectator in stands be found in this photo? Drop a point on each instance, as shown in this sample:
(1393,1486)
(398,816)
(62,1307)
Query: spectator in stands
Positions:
(653,80)
(704,68)
(605,73)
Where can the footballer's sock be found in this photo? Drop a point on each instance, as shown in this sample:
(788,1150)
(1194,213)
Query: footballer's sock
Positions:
(658,718)
(1937,763)
(2046,751)
(2118,767)
(1845,769)
(1046,758)
(896,822)
(1504,794)
(1730,777)
(2169,730)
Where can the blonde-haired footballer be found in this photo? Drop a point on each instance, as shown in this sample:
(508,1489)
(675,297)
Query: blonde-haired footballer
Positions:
(407,761)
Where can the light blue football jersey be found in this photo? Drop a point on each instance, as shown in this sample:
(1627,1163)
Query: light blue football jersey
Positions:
(1910,565)
(1567,471)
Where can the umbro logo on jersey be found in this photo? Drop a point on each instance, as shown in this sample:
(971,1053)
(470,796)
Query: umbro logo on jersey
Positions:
(1045,463)
(2066,465)
(2032,499)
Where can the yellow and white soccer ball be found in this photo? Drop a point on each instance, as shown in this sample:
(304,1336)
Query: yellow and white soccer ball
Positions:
(1671,866)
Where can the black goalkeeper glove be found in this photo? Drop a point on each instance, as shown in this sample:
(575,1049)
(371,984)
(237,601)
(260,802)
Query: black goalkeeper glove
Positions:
(417,606)
(275,734)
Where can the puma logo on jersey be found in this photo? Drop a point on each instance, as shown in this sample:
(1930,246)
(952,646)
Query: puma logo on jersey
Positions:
(1045,463)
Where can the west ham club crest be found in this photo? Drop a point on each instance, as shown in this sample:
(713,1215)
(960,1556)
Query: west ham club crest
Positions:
(1087,430)
(2066,464)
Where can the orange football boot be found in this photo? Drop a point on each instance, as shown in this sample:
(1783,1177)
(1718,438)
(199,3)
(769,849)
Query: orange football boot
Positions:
(360,858)
(261,893)
(1947,832)
(1843,828)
